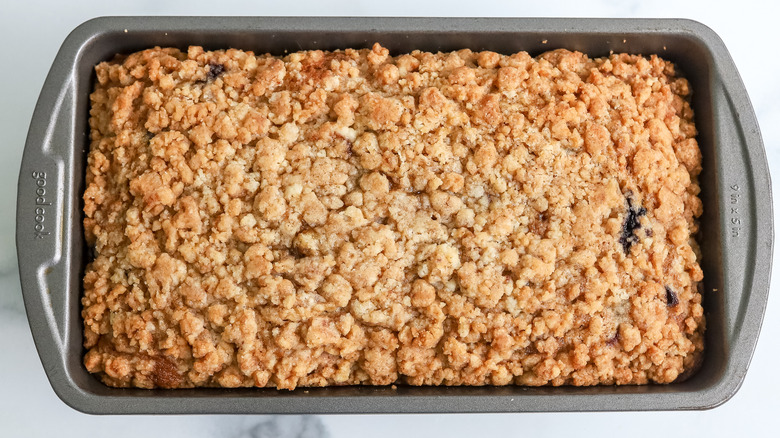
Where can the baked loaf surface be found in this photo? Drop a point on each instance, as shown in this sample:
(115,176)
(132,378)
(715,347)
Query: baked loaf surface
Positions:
(348,217)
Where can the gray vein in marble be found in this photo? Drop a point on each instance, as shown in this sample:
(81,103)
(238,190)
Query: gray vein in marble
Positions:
(281,426)
(624,7)
(10,293)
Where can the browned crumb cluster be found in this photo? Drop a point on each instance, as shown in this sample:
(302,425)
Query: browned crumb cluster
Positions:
(348,217)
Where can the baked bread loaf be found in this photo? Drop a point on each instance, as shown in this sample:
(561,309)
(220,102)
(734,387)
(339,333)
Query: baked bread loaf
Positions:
(351,217)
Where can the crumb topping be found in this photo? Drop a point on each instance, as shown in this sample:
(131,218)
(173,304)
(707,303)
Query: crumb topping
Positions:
(351,217)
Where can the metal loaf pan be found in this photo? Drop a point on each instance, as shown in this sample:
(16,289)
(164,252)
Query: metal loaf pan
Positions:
(736,228)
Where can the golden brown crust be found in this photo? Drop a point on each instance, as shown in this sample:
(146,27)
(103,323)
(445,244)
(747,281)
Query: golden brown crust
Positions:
(333,218)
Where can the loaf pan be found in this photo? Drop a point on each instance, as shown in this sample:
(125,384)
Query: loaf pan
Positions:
(736,229)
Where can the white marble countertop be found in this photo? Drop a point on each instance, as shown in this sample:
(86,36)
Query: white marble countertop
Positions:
(33,31)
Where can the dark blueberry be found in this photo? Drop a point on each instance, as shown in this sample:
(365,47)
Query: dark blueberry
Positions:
(215,70)
(614,339)
(630,225)
(671,297)
(349,147)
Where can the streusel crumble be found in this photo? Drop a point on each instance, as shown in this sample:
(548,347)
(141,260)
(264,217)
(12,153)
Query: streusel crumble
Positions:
(350,217)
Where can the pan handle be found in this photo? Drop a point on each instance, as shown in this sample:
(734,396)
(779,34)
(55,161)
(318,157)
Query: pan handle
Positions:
(746,227)
(46,219)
